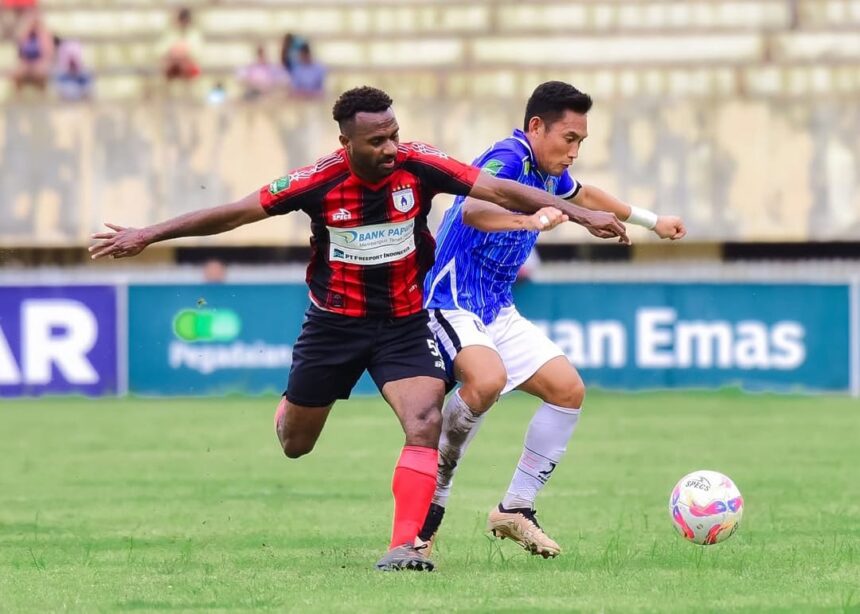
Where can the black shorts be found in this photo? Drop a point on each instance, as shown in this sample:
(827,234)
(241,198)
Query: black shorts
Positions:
(333,350)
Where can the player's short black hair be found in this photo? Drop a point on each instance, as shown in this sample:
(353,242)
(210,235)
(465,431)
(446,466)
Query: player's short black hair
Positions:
(363,99)
(550,100)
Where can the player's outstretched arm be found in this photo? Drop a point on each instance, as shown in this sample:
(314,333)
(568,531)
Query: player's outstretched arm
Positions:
(122,242)
(489,217)
(665,226)
(512,195)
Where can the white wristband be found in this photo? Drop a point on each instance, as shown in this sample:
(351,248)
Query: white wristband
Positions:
(642,217)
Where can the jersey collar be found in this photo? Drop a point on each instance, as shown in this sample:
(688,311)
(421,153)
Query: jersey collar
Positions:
(520,136)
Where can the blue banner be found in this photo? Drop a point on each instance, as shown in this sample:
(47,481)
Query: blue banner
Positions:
(58,340)
(214,339)
(656,335)
(218,339)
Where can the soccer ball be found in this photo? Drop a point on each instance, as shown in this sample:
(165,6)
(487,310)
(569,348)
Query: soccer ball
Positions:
(706,507)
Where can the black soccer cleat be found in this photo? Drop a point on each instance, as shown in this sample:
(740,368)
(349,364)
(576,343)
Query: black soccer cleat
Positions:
(403,557)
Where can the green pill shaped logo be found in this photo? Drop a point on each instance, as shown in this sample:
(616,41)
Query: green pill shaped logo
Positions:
(206,325)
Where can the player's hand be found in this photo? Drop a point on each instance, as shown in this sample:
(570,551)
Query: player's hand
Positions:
(670,227)
(605,225)
(545,219)
(121,242)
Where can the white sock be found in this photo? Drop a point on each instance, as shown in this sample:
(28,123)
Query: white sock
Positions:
(459,425)
(546,442)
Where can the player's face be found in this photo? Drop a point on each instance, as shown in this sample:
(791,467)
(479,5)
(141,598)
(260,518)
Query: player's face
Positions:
(556,146)
(372,145)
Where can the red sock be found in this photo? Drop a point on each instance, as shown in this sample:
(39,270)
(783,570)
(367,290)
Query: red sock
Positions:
(413,486)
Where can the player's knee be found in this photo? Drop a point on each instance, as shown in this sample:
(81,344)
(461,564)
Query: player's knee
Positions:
(294,445)
(294,448)
(572,395)
(485,390)
(423,426)
(295,452)
(429,419)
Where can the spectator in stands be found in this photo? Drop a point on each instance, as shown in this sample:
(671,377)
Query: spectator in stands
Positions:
(11,12)
(35,52)
(261,77)
(308,76)
(214,271)
(217,95)
(290,48)
(72,81)
(181,48)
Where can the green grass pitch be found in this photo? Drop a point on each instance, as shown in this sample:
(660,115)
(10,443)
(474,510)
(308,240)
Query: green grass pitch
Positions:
(188,505)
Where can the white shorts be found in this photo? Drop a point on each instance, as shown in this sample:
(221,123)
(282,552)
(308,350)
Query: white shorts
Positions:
(523,347)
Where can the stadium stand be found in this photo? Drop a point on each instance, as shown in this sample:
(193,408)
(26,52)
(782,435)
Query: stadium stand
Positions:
(677,83)
(499,44)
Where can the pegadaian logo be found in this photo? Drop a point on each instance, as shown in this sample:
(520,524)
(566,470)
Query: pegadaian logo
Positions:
(206,325)
(207,342)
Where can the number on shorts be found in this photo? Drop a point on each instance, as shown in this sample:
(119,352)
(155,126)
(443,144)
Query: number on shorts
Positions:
(434,349)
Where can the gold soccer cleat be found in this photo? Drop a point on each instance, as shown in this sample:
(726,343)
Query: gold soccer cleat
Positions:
(521,526)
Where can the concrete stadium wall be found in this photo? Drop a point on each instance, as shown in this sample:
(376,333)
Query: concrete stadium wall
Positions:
(736,169)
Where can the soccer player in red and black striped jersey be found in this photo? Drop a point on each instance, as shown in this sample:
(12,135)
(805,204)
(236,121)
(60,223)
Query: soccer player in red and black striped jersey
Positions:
(368,204)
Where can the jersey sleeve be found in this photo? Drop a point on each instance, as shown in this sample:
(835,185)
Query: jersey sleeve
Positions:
(501,163)
(439,172)
(284,195)
(302,188)
(568,187)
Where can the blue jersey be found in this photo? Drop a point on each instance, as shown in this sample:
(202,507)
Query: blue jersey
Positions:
(476,270)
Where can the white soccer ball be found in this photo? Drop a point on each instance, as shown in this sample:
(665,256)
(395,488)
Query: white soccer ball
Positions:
(706,507)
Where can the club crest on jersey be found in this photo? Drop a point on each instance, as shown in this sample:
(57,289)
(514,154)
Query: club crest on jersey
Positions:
(403,199)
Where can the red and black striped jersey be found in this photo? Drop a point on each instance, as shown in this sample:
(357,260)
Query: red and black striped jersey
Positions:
(371,247)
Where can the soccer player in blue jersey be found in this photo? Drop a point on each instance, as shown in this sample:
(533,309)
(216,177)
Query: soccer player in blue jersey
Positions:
(368,203)
(494,349)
